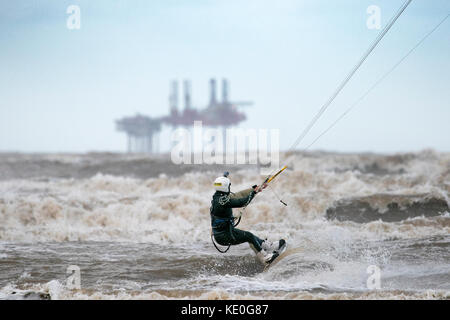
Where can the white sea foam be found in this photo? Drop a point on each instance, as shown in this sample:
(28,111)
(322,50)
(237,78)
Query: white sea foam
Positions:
(171,210)
(57,291)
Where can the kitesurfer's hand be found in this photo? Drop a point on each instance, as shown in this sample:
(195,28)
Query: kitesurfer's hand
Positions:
(261,188)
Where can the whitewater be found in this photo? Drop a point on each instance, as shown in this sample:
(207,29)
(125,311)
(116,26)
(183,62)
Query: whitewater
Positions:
(138,227)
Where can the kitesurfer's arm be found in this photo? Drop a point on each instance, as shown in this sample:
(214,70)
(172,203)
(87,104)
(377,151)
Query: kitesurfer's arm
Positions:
(243,198)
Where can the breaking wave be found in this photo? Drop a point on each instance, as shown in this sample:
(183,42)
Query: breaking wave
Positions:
(167,209)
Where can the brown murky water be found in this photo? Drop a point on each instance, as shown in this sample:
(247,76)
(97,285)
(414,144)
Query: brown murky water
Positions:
(142,231)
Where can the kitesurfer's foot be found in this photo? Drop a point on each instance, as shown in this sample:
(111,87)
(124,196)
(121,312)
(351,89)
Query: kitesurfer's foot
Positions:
(265,257)
(276,246)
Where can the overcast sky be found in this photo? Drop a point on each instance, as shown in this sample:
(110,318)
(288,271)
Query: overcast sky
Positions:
(61,90)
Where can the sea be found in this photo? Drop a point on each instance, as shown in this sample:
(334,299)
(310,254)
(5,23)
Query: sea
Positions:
(136,226)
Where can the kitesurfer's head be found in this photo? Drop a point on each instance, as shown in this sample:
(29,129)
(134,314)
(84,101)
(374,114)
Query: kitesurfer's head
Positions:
(222,183)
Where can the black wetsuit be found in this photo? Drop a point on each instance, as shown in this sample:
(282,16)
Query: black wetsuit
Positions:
(222,218)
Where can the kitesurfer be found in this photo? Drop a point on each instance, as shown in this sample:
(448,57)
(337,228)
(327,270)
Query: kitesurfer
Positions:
(222,220)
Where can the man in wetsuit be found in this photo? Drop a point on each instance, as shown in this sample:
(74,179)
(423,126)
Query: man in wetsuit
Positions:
(222,220)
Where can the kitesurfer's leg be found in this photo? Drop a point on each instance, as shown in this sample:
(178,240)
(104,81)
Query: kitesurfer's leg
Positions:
(223,238)
(240,236)
(236,236)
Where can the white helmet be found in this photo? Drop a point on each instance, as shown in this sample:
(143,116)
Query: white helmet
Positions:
(222,184)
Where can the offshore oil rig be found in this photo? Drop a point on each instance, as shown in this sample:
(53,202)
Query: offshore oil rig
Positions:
(142,130)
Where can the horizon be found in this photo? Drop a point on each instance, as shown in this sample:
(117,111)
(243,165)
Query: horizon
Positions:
(63,89)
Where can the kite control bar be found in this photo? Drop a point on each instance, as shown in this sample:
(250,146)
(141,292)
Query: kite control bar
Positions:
(267,181)
(270,178)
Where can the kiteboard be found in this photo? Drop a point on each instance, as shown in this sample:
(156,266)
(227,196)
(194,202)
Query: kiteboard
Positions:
(283,254)
(279,255)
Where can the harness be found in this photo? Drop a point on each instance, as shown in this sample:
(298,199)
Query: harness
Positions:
(230,221)
(231,225)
